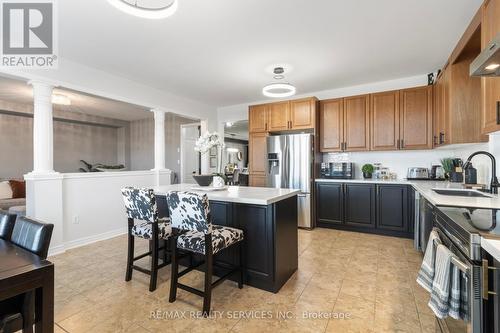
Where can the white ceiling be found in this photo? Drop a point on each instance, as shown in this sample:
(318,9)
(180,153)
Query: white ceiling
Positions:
(218,52)
(16,91)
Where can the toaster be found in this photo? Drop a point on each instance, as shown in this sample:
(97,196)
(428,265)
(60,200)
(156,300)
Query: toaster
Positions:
(418,173)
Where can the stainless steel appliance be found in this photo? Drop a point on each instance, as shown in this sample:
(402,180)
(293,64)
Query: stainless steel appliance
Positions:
(461,231)
(424,214)
(290,165)
(488,61)
(342,170)
(418,173)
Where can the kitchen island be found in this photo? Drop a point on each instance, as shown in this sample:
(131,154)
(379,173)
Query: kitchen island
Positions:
(268,218)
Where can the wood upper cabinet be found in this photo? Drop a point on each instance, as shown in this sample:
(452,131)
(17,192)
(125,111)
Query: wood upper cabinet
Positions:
(279,116)
(385,120)
(357,123)
(490,87)
(441,108)
(257,145)
(257,118)
(303,113)
(331,125)
(416,118)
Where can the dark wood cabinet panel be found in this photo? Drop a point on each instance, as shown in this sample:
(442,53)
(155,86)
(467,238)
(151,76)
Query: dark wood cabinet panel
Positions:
(329,203)
(392,207)
(222,214)
(359,205)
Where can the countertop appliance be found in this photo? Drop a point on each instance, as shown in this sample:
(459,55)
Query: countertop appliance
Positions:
(417,173)
(461,229)
(341,170)
(486,63)
(437,172)
(290,161)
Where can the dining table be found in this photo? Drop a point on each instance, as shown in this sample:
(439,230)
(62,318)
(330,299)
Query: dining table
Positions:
(22,271)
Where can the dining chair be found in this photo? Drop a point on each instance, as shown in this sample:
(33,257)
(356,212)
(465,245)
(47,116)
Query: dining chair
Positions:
(7,221)
(34,236)
(194,232)
(140,204)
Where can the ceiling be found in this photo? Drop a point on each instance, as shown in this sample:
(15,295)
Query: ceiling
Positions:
(221,52)
(237,130)
(16,91)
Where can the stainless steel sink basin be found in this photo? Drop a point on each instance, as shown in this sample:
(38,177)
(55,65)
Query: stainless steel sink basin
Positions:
(461,193)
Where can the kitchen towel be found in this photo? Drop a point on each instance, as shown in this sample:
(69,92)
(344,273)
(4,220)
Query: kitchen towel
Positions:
(459,300)
(441,288)
(426,272)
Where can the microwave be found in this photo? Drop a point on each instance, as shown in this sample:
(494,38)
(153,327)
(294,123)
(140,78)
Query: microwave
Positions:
(340,170)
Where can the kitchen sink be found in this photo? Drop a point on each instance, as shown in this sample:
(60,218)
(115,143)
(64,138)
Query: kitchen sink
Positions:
(461,193)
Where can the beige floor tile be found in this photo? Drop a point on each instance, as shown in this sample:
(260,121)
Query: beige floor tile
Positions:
(428,323)
(361,289)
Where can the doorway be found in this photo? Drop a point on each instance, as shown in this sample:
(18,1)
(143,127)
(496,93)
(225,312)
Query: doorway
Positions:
(190,159)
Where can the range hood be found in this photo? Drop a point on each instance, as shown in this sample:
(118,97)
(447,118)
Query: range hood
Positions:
(487,62)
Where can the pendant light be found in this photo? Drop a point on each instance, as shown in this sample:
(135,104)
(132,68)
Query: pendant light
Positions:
(132,7)
(279,89)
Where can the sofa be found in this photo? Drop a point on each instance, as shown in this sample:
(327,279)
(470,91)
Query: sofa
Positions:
(12,194)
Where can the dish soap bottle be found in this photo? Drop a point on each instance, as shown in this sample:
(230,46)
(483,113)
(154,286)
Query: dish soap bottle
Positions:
(470,174)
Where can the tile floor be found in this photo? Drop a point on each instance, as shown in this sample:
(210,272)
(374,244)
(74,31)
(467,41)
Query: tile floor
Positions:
(368,279)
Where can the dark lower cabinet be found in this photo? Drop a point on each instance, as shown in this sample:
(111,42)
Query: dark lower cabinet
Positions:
(329,203)
(392,207)
(360,205)
(382,209)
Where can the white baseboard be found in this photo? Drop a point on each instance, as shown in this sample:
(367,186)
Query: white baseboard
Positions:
(86,240)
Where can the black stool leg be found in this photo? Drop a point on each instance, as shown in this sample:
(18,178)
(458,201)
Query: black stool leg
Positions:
(208,275)
(174,269)
(130,253)
(154,259)
(242,266)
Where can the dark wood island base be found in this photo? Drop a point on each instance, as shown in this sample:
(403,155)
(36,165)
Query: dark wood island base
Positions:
(271,239)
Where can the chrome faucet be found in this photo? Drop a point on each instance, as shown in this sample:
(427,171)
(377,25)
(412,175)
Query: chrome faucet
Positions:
(494,180)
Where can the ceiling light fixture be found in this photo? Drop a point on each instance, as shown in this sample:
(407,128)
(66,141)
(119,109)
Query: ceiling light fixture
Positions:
(277,90)
(154,13)
(60,99)
(492,67)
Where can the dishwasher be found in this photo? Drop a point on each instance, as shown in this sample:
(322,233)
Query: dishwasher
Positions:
(424,216)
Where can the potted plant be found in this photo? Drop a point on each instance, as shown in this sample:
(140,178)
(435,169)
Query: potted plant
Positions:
(367,170)
(448,168)
(204,143)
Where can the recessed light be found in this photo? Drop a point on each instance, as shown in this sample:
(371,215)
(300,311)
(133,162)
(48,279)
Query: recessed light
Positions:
(492,67)
(60,99)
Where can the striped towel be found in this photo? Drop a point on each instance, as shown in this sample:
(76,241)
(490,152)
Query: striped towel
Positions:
(441,291)
(426,272)
(459,300)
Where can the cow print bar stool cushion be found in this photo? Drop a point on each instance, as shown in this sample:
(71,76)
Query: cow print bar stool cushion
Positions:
(145,230)
(222,237)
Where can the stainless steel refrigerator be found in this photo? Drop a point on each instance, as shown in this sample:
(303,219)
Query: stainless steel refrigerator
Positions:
(290,161)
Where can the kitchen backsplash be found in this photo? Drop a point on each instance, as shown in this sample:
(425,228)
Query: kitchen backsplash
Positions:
(400,161)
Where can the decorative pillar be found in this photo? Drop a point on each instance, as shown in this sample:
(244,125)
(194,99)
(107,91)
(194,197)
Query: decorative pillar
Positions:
(159,139)
(43,132)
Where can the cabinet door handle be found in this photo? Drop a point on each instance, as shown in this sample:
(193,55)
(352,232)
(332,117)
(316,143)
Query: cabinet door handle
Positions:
(345,145)
(266,127)
(498,112)
(402,143)
(398,146)
(441,138)
(486,269)
(435,140)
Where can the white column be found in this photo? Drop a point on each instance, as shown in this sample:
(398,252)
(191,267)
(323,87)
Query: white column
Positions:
(159,139)
(43,132)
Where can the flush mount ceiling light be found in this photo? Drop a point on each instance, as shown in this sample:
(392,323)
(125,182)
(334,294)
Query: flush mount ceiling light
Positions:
(492,67)
(278,89)
(132,7)
(60,99)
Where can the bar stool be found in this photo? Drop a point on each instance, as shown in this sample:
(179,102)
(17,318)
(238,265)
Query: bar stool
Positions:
(194,232)
(140,204)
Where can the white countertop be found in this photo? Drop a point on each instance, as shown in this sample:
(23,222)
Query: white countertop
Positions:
(492,246)
(425,189)
(237,194)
